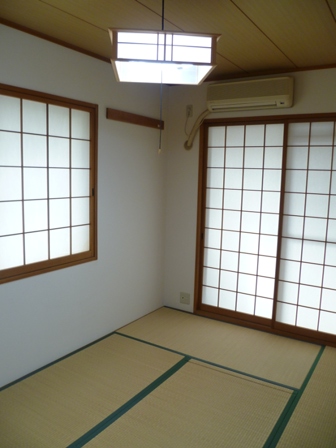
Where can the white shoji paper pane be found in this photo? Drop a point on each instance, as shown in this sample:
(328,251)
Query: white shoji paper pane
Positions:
(248,263)
(80,211)
(332,230)
(245,304)
(234,157)
(210,277)
(289,271)
(231,220)
(230,240)
(229,261)
(213,218)
(292,226)
(249,243)
(36,247)
(294,204)
(307,318)
(227,300)
(80,154)
(34,117)
(291,249)
(216,136)
(247,283)
(320,158)
(80,124)
(235,135)
(80,239)
(59,243)
(250,222)
(34,150)
(233,178)
(274,134)
(333,183)
(252,201)
(315,228)
(328,300)
(269,224)
(265,287)
(9,113)
(272,180)
(327,322)
(313,252)
(228,280)
(211,258)
(255,135)
(80,183)
(214,197)
(59,183)
(212,238)
(59,152)
(298,133)
(318,182)
(286,313)
(35,215)
(215,178)
(59,210)
(273,158)
(288,292)
(252,179)
(317,205)
(11,251)
(209,296)
(266,266)
(330,277)
(11,218)
(330,254)
(35,183)
(296,181)
(311,274)
(322,133)
(215,157)
(59,121)
(309,296)
(268,245)
(232,199)
(264,307)
(270,202)
(10,149)
(10,184)
(297,158)
(332,207)
(254,157)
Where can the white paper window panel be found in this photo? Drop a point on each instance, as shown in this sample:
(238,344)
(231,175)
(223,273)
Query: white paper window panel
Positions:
(214,197)
(328,300)
(272,180)
(286,313)
(274,134)
(80,183)
(266,266)
(231,220)
(215,178)
(322,133)
(80,154)
(80,124)
(35,216)
(10,184)
(211,258)
(80,211)
(329,277)
(35,183)
(228,280)
(234,157)
(59,121)
(269,223)
(318,182)
(10,149)
(34,119)
(59,183)
(264,307)
(11,218)
(307,318)
(311,274)
(227,300)
(292,226)
(252,201)
(36,247)
(288,292)
(213,218)
(59,152)
(268,245)
(273,157)
(289,271)
(255,135)
(317,205)
(250,222)
(34,150)
(313,251)
(59,243)
(298,133)
(254,157)
(297,157)
(249,243)
(270,202)
(216,136)
(212,238)
(234,178)
(229,261)
(245,303)
(296,181)
(252,179)
(11,251)
(265,287)
(333,183)
(315,228)
(327,322)
(10,113)
(230,240)
(294,204)
(332,230)
(330,254)
(235,135)
(320,158)
(232,199)
(215,157)
(209,296)
(247,283)
(80,239)
(291,249)
(248,263)
(309,296)
(59,211)
(211,277)
(332,207)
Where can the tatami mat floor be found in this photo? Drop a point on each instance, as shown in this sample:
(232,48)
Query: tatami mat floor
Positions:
(172,379)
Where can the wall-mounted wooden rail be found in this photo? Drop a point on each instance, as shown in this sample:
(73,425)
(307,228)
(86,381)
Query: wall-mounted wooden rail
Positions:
(127,117)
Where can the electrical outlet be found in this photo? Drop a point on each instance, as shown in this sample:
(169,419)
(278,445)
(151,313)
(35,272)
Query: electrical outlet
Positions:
(189,111)
(185,298)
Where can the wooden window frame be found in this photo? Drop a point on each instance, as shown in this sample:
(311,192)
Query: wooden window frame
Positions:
(27,270)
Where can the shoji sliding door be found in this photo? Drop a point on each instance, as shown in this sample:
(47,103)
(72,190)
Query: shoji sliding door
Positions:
(266,252)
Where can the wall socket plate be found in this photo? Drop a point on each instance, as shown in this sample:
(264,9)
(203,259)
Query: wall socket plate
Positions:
(185,298)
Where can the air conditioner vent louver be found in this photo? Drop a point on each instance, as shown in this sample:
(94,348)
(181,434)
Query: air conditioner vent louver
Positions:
(253,94)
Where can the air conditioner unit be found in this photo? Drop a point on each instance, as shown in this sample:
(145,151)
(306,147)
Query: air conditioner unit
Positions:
(253,94)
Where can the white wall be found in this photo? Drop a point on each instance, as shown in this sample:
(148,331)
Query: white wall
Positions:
(47,316)
(315,92)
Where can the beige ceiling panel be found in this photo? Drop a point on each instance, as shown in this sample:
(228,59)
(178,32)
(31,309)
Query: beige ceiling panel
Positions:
(305,30)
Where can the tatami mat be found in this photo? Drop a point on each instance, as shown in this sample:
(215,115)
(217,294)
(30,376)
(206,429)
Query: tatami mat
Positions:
(313,423)
(55,406)
(282,360)
(199,406)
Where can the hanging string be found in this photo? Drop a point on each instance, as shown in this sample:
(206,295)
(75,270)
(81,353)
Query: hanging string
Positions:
(161,89)
(162,16)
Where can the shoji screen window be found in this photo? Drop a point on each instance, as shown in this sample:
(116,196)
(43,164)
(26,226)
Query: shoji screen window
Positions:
(47,183)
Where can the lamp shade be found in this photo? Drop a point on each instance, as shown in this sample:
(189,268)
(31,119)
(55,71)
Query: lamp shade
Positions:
(162,56)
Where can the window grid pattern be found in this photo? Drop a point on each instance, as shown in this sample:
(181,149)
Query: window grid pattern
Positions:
(44,181)
(242,217)
(307,277)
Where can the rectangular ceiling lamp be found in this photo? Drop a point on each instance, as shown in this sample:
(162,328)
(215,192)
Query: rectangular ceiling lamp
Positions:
(162,56)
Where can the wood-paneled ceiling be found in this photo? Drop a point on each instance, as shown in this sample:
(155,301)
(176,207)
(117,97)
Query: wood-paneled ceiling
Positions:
(257,36)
